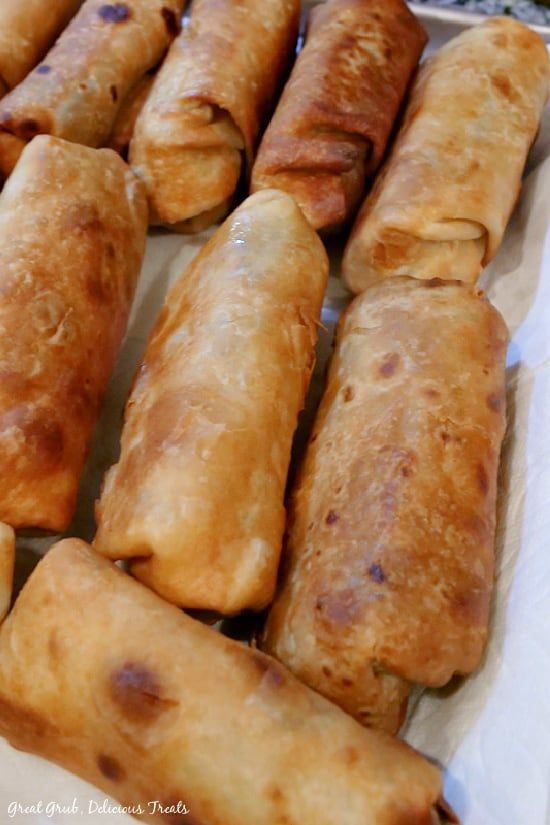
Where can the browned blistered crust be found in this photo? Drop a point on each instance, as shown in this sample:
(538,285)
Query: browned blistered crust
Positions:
(72,235)
(197,496)
(27,30)
(7,561)
(389,563)
(76,91)
(337,111)
(100,675)
(210,99)
(128,113)
(441,204)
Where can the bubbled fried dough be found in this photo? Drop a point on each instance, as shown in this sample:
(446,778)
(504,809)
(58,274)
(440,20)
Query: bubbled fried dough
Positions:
(330,129)
(77,90)
(100,675)
(389,562)
(73,222)
(441,204)
(196,500)
(199,129)
(27,30)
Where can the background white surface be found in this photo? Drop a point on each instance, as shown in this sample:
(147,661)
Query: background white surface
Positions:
(492,731)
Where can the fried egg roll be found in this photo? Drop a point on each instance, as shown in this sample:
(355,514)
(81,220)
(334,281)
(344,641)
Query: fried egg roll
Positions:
(121,691)
(441,205)
(389,563)
(75,93)
(72,235)
(128,113)
(196,499)
(27,30)
(203,116)
(333,122)
(7,562)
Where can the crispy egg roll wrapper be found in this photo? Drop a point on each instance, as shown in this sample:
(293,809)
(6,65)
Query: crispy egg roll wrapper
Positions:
(73,222)
(75,93)
(7,562)
(389,563)
(197,496)
(442,203)
(27,30)
(128,113)
(337,111)
(10,152)
(212,94)
(120,691)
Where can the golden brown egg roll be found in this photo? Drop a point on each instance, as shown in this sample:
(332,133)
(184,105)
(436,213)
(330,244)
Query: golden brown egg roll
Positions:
(128,113)
(101,676)
(337,111)
(7,561)
(75,93)
(27,30)
(208,102)
(389,563)
(73,222)
(441,204)
(197,496)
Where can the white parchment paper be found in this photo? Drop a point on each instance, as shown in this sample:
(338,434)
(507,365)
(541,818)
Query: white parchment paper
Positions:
(491,732)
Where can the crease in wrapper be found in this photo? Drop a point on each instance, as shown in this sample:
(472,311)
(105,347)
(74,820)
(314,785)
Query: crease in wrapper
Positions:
(100,675)
(333,122)
(198,131)
(196,501)
(131,106)
(442,202)
(76,92)
(388,568)
(73,223)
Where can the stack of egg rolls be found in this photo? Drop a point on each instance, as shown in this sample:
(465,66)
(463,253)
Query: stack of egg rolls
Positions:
(101,676)
(27,30)
(202,119)
(389,561)
(441,205)
(75,93)
(389,553)
(73,222)
(196,499)
(332,125)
